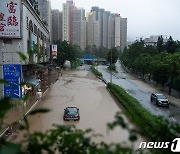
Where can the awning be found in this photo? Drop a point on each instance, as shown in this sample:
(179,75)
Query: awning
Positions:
(32,81)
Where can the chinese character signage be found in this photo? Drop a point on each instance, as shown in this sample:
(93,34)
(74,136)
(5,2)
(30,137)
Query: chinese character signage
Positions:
(10,18)
(13,74)
(54,51)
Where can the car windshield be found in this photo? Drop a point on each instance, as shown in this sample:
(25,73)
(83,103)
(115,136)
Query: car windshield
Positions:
(71,111)
(161,97)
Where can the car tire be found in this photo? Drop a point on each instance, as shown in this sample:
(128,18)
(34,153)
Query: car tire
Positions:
(151,100)
(157,103)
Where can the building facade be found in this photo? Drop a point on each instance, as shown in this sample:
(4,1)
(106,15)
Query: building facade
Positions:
(111,31)
(34,36)
(43,8)
(56,31)
(79,28)
(123,34)
(67,21)
(90,29)
(105,28)
(117,30)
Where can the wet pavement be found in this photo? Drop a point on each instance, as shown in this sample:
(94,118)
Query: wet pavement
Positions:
(82,89)
(142,91)
(16,113)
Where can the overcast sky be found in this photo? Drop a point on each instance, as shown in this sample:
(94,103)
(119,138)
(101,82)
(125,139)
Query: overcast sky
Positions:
(144,17)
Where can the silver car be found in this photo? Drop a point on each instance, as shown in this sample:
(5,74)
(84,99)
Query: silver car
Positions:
(159,99)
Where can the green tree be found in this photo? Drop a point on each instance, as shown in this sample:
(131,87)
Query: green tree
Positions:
(67,51)
(143,63)
(171,45)
(112,55)
(160,68)
(174,68)
(88,49)
(160,44)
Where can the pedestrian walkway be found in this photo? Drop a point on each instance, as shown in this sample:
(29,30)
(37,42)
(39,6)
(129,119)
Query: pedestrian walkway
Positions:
(15,114)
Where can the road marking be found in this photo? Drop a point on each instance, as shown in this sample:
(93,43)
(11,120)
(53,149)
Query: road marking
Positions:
(173,119)
(32,106)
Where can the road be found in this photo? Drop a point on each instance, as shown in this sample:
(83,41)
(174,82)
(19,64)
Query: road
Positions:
(141,91)
(97,107)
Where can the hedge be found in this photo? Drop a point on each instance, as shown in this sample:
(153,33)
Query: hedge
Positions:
(96,72)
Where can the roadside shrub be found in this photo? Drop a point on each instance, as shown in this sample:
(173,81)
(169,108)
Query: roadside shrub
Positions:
(96,72)
(112,68)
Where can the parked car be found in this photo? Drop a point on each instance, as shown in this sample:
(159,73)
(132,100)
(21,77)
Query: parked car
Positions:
(159,99)
(71,113)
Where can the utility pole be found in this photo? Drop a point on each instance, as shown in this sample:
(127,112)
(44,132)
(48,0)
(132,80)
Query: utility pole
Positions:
(111,68)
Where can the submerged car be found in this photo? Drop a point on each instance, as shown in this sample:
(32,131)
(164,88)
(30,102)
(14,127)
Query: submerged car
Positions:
(71,113)
(159,99)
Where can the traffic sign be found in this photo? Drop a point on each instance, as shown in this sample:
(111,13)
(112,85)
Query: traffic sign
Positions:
(13,74)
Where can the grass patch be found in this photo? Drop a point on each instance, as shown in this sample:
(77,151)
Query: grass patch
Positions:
(112,68)
(96,72)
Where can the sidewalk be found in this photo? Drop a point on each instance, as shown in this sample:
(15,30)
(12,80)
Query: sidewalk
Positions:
(15,114)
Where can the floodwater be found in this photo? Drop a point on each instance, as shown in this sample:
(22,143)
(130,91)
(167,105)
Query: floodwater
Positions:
(82,89)
(142,91)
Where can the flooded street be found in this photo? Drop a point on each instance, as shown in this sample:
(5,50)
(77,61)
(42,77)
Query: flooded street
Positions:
(82,89)
(142,91)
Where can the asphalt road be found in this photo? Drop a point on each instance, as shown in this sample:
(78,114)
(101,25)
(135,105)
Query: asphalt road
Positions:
(142,91)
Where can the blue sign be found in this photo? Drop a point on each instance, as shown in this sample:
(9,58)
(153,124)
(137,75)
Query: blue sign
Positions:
(13,74)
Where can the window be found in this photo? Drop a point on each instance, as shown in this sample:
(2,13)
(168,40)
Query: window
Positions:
(35,29)
(26,22)
(7,41)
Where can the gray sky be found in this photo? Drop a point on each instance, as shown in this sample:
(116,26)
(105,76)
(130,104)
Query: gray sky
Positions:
(144,17)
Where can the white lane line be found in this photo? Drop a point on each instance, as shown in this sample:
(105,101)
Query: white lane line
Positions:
(33,106)
(173,119)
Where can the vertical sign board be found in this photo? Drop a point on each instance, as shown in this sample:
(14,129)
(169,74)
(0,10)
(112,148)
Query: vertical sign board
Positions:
(13,74)
(10,18)
(54,51)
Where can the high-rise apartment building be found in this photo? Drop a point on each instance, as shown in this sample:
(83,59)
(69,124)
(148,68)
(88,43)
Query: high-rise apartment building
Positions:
(117,30)
(90,25)
(83,35)
(123,33)
(96,33)
(65,22)
(100,20)
(43,8)
(95,10)
(101,28)
(120,32)
(111,31)
(79,28)
(68,9)
(105,28)
(56,31)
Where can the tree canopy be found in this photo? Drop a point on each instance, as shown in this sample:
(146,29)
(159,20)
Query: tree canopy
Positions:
(161,61)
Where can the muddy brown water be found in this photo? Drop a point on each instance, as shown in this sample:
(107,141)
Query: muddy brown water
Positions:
(97,107)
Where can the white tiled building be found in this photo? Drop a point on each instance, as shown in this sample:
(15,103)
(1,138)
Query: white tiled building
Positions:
(79,28)
(65,22)
(34,34)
